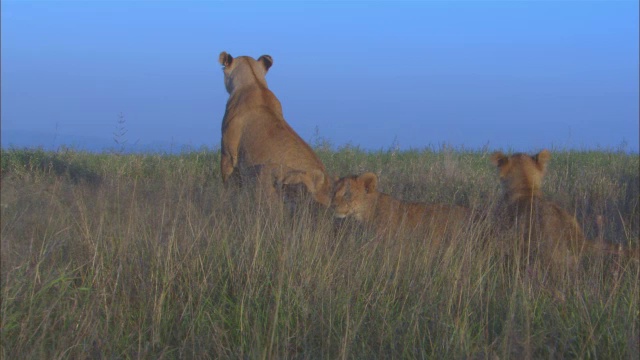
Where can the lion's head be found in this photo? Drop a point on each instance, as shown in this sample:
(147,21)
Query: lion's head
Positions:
(244,70)
(521,174)
(354,194)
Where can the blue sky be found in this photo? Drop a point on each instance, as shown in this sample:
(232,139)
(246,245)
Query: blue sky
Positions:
(513,75)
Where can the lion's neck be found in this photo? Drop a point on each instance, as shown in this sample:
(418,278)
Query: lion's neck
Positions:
(252,96)
(520,194)
(519,205)
(384,211)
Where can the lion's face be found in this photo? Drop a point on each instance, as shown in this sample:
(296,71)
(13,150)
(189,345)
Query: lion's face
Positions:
(353,194)
(244,70)
(521,174)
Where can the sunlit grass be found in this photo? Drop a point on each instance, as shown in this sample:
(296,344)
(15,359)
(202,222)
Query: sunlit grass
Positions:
(149,256)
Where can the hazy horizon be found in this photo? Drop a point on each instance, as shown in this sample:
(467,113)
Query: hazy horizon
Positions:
(520,75)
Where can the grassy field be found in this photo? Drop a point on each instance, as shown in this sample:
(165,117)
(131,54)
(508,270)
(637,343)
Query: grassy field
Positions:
(149,256)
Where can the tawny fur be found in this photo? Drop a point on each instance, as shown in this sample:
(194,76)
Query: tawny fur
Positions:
(546,231)
(358,197)
(255,134)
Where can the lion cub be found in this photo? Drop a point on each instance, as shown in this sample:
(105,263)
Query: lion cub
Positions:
(544,228)
(358,197)
(257,141)
(547,231)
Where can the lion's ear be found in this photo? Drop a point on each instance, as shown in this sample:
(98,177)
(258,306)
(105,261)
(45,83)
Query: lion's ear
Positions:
(225,59)
(370,181)
(266,61)
(499,159)
(542,159)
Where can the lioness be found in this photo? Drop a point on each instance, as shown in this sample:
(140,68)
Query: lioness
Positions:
(256,136)
(358,196)
(547,231)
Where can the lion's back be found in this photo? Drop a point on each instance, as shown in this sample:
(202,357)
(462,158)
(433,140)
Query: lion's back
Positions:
(430,220)
(267,138)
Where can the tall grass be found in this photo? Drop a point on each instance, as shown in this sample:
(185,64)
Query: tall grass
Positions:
(149,256)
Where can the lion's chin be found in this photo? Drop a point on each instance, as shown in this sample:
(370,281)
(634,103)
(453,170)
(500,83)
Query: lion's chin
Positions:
(339,216)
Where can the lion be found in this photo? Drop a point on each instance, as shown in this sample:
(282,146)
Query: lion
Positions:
(548,232)
(256,139)
(357,196)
